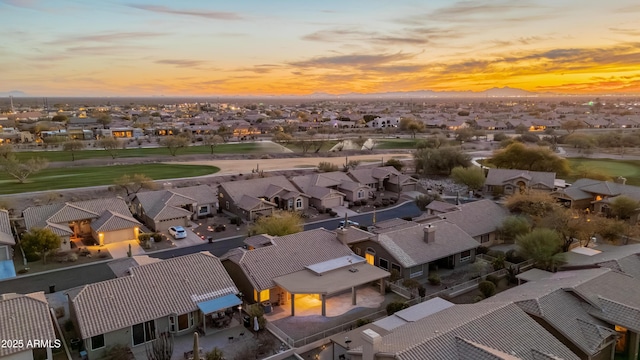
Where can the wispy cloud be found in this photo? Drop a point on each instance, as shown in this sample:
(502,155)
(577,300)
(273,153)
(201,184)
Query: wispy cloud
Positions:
(260,68)
(207,14)
(353,60)
(626,31)
(106,37)
(183,63)
(26,4)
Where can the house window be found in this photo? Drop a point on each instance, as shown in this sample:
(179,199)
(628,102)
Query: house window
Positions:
(358,251)
(465,256)
(290,204)
(415,271)
(143,332)
(264,295)
(396,267)
(299,203)
(227,205)
(360,194)
(97,342)
(370,256)
(383,263)
(203,209)
(484,238)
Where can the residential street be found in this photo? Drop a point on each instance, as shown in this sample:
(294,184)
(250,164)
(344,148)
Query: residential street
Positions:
(68,278)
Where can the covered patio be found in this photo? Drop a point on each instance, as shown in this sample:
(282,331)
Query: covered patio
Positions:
(219,313)
(337,276)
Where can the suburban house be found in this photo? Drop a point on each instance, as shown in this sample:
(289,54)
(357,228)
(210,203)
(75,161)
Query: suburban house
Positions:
(23,320)
(161,209)
(596,195)
(331,189)
(104,221)
(413,249)
(509,181)
(6,237)
(178,295)
(385,178)
(251,198)
(624,259)
(314,263)
(471,331)
(480,219)
(595,312)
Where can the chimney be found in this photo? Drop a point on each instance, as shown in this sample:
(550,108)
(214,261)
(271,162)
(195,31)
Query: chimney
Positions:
(371,344)
(429,234)
(341,234)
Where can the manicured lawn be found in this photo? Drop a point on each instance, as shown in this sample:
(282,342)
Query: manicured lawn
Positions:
(240,148)
(630,169)
(72,177)
(390,144)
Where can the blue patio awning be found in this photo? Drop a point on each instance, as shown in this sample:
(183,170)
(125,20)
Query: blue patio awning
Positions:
(227,301)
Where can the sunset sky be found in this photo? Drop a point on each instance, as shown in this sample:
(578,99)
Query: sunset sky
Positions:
(298,47)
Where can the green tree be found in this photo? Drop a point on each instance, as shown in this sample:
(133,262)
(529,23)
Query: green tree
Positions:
(282,138)
(132,184)
(440,161)
(212,141)
(40,241)
(542,245)
(6,150)
(174,143)
(110,144)
(536,204)
(472,177)
(425,199)
(514,226)
(415,127)
(464,134)
(623,207)
(72,146)
(22,169)
(570,224)
(572,125)
(103,119)
(279,224)
(60,118)
(397,164)
(519,156)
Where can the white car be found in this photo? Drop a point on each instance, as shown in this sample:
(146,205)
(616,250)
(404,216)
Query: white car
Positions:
(349,223)
(178,232)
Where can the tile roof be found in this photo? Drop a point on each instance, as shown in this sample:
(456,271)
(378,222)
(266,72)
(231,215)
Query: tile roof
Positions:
(337,179)
(408,247)
(24,317)
(587,188)
(257,188)
(110,221)
(56,217)
(287,255)
(441,206)
(501,176)
(152,291)
(6,236)
(166,204)
(495,328)
(478,217)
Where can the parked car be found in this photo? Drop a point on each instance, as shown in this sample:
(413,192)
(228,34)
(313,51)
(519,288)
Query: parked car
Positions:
(349,223)
(220,227)
(178,232)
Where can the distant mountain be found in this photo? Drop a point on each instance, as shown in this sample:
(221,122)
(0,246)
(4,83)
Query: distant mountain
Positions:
(506,92)
(493,92)
(14,93)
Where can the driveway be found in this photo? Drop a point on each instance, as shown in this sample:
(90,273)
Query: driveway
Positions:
(192,239)
(120,249)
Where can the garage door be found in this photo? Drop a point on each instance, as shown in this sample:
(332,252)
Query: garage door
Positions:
(111,237)
(333,202)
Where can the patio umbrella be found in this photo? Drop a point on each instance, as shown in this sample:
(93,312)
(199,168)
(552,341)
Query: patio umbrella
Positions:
(256,326)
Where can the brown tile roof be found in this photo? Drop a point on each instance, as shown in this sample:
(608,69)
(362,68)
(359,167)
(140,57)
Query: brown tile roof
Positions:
(152,291)
(287,255)
(499,177)
(110,221)
(6,237)
(258,187)
(478,217)
(496,328)
(166,204)
(24,317)
(408,247)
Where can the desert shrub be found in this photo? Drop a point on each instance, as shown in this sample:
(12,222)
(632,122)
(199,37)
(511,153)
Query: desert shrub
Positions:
(325,166)
(500,136)
(482,250)
(494,279)
(498,263)
(513,257)
(434,279)
(396,306)
(333,213)
(495,253)
(32,257)
(395,275)
(362,322)
(363,202)
(73,257)
(410,283)
(487,288)
(235,220)
(377,203)
(477,298)
(357,203)
(385,202)
(422,291)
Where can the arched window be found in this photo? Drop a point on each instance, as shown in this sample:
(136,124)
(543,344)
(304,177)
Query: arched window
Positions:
(299,203)
(360,194)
